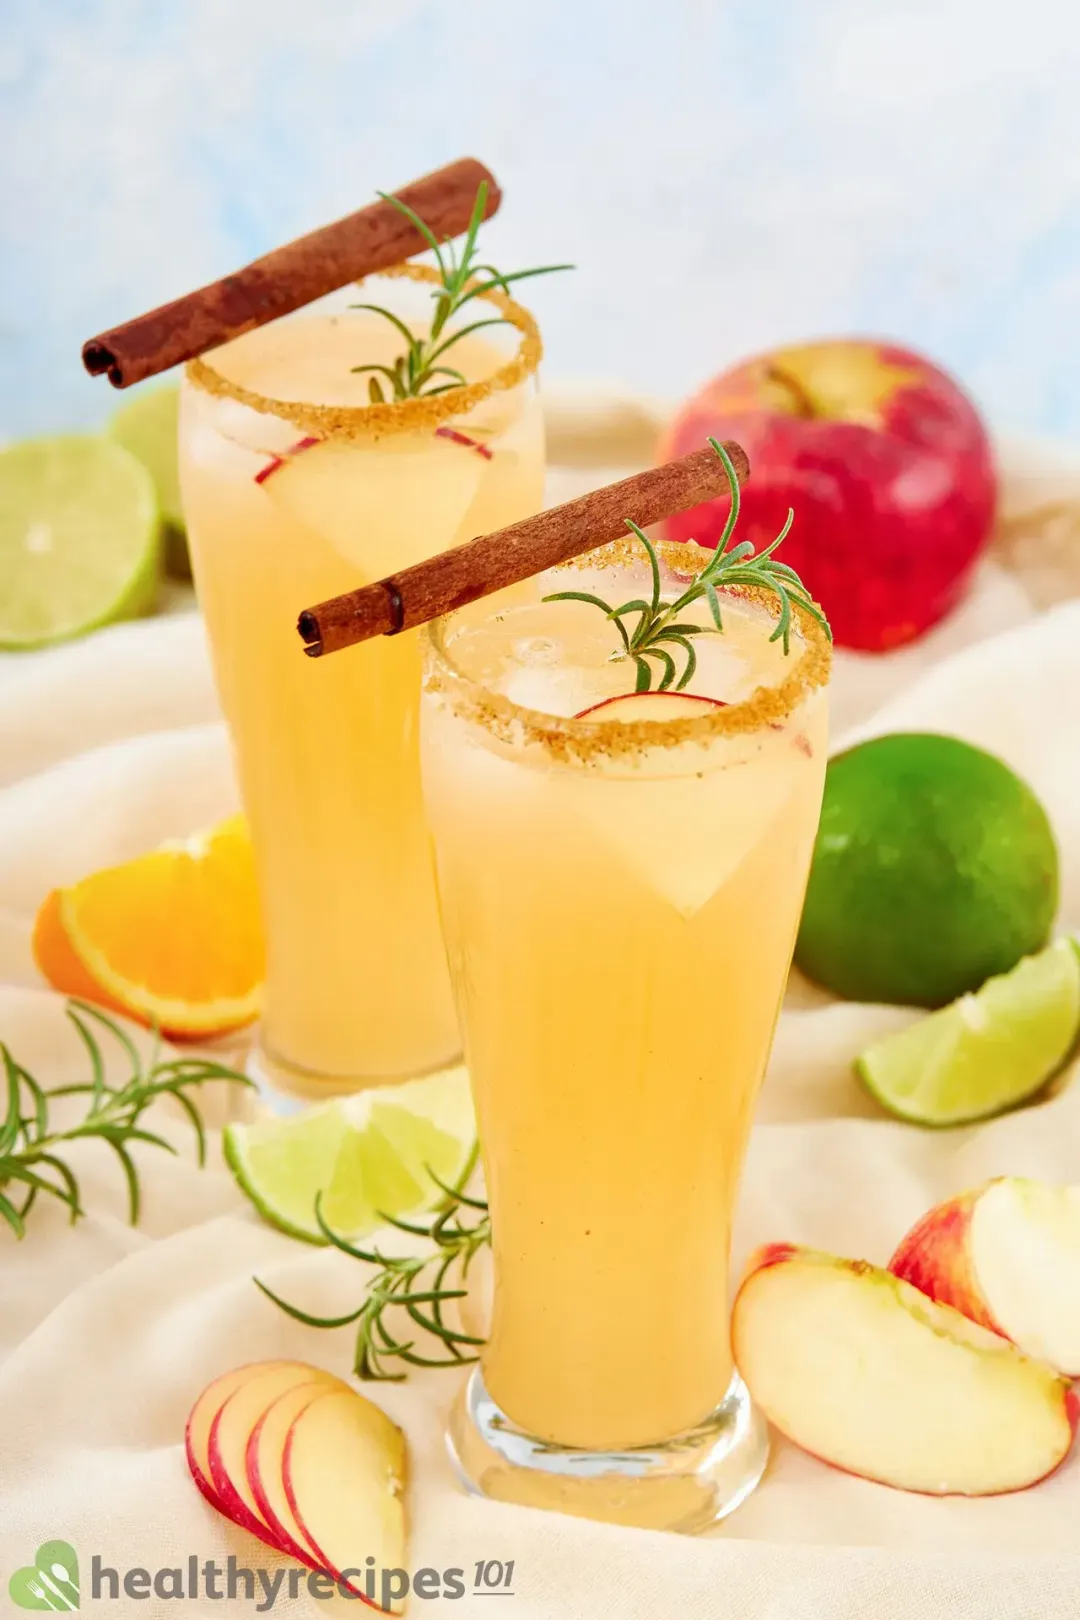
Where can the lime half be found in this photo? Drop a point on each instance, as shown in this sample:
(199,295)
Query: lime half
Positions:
(148,426)
(369,1156)
(79,539)
(986,1052)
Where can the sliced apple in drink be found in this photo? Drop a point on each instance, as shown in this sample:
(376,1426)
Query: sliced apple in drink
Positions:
(344,1477)
(865,1372)
(201,1419)
(231,1430)
(1007,1254)
(666,829)
(651,707)
(466,440)
(380,505)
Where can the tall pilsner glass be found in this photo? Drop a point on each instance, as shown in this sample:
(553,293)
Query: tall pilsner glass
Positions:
(620,894)
(296,489)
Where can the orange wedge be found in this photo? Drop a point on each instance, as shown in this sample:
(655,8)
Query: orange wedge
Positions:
(172,938)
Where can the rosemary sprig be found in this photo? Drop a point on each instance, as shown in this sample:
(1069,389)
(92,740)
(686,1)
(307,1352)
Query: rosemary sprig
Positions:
(659,626)
(417,371)
(421,1286)
(31,1162)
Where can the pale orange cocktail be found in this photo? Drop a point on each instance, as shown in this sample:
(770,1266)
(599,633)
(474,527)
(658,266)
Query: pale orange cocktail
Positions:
(620,884)
(297,487)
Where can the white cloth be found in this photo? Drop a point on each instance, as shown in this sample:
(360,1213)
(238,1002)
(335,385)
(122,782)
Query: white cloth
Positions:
(108,1333)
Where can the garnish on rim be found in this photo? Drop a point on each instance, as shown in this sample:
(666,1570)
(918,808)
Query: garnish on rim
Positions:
(412,372)
(659,622)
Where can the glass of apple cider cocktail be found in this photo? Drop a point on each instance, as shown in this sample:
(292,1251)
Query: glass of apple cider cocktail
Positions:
(306,471)
(620,876)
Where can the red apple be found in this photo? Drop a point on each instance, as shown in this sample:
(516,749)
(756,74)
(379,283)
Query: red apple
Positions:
(883,458)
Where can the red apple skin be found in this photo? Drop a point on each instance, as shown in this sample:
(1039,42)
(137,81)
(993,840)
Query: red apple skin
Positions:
(334,1574)
(229,1502)
(630,697)
(775,1254)
(934,1257)
(203,1485)
(887,466)
(770,1254)
(284,1541)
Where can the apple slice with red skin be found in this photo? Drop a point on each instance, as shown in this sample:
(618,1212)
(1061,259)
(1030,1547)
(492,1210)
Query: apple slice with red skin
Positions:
(862,1370)
(201,1419)
(279,461)
(264,1466)
(453,434)
(231,1429)
(1007,1254)
(457,437)
(646,706)
(662,706)
(344,1475)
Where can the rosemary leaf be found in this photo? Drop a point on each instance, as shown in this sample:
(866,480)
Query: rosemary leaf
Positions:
(32,1153)
(659,625)
(461,280)
(416,1287)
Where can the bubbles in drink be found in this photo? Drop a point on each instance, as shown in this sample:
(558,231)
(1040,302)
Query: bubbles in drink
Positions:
(533,651)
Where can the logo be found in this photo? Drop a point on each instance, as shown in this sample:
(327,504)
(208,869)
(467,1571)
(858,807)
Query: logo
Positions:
(51,1582)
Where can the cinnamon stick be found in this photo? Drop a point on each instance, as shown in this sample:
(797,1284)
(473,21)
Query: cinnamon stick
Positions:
(492,561)
(372,239)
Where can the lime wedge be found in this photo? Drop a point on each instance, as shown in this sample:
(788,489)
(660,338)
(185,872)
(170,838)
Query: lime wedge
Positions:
(79,539)
(147,425)
(368,1155)
(985,1052)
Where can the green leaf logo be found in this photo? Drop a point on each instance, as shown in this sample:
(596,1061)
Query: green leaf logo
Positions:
(51,1582)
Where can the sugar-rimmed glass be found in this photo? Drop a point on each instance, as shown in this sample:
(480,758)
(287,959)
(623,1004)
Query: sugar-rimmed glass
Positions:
(295,489)
(620,898)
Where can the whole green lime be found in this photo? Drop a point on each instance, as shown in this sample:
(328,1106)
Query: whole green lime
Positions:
(934,868)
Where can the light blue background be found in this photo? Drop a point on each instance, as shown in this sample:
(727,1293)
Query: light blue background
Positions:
(726,173)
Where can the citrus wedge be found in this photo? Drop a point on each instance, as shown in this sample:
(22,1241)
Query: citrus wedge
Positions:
(79,539)
(172,938)
(147,425)
(986,1052)
(368,1155)
(59,962)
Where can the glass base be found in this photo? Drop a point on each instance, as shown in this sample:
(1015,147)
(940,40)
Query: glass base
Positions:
(284,1089)
(687,1483)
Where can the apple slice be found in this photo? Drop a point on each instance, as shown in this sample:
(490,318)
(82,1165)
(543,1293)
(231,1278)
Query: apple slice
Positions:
(344,1475)
(1007,1254)
(264,1467)
(232,1427)
(634,706)
(862,1370)
(380,505)
(201,1419)
(457,437)
(277,462)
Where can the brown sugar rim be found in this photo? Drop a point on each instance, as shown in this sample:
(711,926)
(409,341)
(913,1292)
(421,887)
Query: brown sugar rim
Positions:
(402,416)
(579,741)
